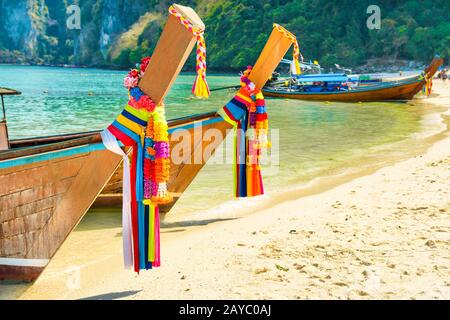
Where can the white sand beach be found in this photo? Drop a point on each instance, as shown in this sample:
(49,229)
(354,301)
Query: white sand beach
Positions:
(385,235)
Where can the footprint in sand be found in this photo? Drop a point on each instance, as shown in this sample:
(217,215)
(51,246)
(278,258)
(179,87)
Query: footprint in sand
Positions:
(362,293)
(300,267)
(336,205)
(260,270)
(340,284)
(431,244)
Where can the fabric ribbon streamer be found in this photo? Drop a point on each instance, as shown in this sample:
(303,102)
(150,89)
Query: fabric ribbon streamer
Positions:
(200,87)
(296,53)
(110,142)
(426,89)
(428,84)
(247,113)
(142,127)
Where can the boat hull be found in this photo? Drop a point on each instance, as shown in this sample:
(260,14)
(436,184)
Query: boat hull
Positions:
(46,190)
(20,273)
(401,92)
(40,210)
(42,199)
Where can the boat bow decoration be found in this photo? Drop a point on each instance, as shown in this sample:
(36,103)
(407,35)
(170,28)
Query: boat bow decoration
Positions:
(142,127)
(246,112)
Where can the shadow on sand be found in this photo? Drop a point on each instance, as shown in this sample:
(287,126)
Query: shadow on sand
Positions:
(191,223)
(113,295)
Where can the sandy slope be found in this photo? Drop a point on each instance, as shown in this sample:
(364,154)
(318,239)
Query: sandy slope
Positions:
(386,235)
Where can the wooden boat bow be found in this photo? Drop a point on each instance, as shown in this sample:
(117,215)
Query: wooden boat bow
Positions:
(47,189)
(47,184)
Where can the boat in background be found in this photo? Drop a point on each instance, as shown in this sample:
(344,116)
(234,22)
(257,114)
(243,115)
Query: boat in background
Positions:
(47,184)
(339,87)
(314,68)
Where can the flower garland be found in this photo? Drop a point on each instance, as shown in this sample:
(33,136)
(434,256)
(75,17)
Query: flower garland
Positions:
(247,113)
(156,141)
(200,87)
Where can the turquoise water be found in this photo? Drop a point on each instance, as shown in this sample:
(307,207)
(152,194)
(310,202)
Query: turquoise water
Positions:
(314,137)
(63,100)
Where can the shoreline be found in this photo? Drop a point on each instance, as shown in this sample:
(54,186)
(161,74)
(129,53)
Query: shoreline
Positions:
(335,240)
(188,70)
(226,71)
(330,178)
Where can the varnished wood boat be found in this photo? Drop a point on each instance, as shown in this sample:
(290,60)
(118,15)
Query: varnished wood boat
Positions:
(47,184)
(402,90)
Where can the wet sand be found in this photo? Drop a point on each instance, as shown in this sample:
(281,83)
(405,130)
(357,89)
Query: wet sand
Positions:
(382,235)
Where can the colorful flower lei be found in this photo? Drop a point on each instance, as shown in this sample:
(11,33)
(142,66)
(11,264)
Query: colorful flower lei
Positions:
(156,167)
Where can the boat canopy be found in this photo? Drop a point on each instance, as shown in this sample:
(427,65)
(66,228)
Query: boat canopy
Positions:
(354,77)
(328,77)
(315,66)
(7,91)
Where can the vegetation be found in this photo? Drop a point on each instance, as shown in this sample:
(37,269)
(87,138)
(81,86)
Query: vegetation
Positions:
(328,31)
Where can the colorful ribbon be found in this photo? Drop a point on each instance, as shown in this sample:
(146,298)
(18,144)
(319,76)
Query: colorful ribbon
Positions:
(428,84)
(247,113)
(111,144)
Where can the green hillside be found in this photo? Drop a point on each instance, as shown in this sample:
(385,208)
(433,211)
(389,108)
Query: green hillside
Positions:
(114,34)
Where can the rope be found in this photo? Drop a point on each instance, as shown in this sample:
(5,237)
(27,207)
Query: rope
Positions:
(200,87)
(294,41)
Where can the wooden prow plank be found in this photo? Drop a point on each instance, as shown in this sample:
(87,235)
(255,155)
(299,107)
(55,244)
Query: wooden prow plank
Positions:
(175,44)
(170,54)
(276,47)
(189,14)
(434,66)
(274,50)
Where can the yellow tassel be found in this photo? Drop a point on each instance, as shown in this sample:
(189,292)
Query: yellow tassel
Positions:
(200,88)
(297,66)
(296,55)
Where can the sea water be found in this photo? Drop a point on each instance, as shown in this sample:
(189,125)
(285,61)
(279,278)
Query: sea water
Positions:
(310,139)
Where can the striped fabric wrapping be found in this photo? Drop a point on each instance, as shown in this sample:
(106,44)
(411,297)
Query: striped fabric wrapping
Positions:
(247,113)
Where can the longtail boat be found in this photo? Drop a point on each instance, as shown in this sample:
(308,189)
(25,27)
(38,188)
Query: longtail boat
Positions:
(404,89)
(47,184)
